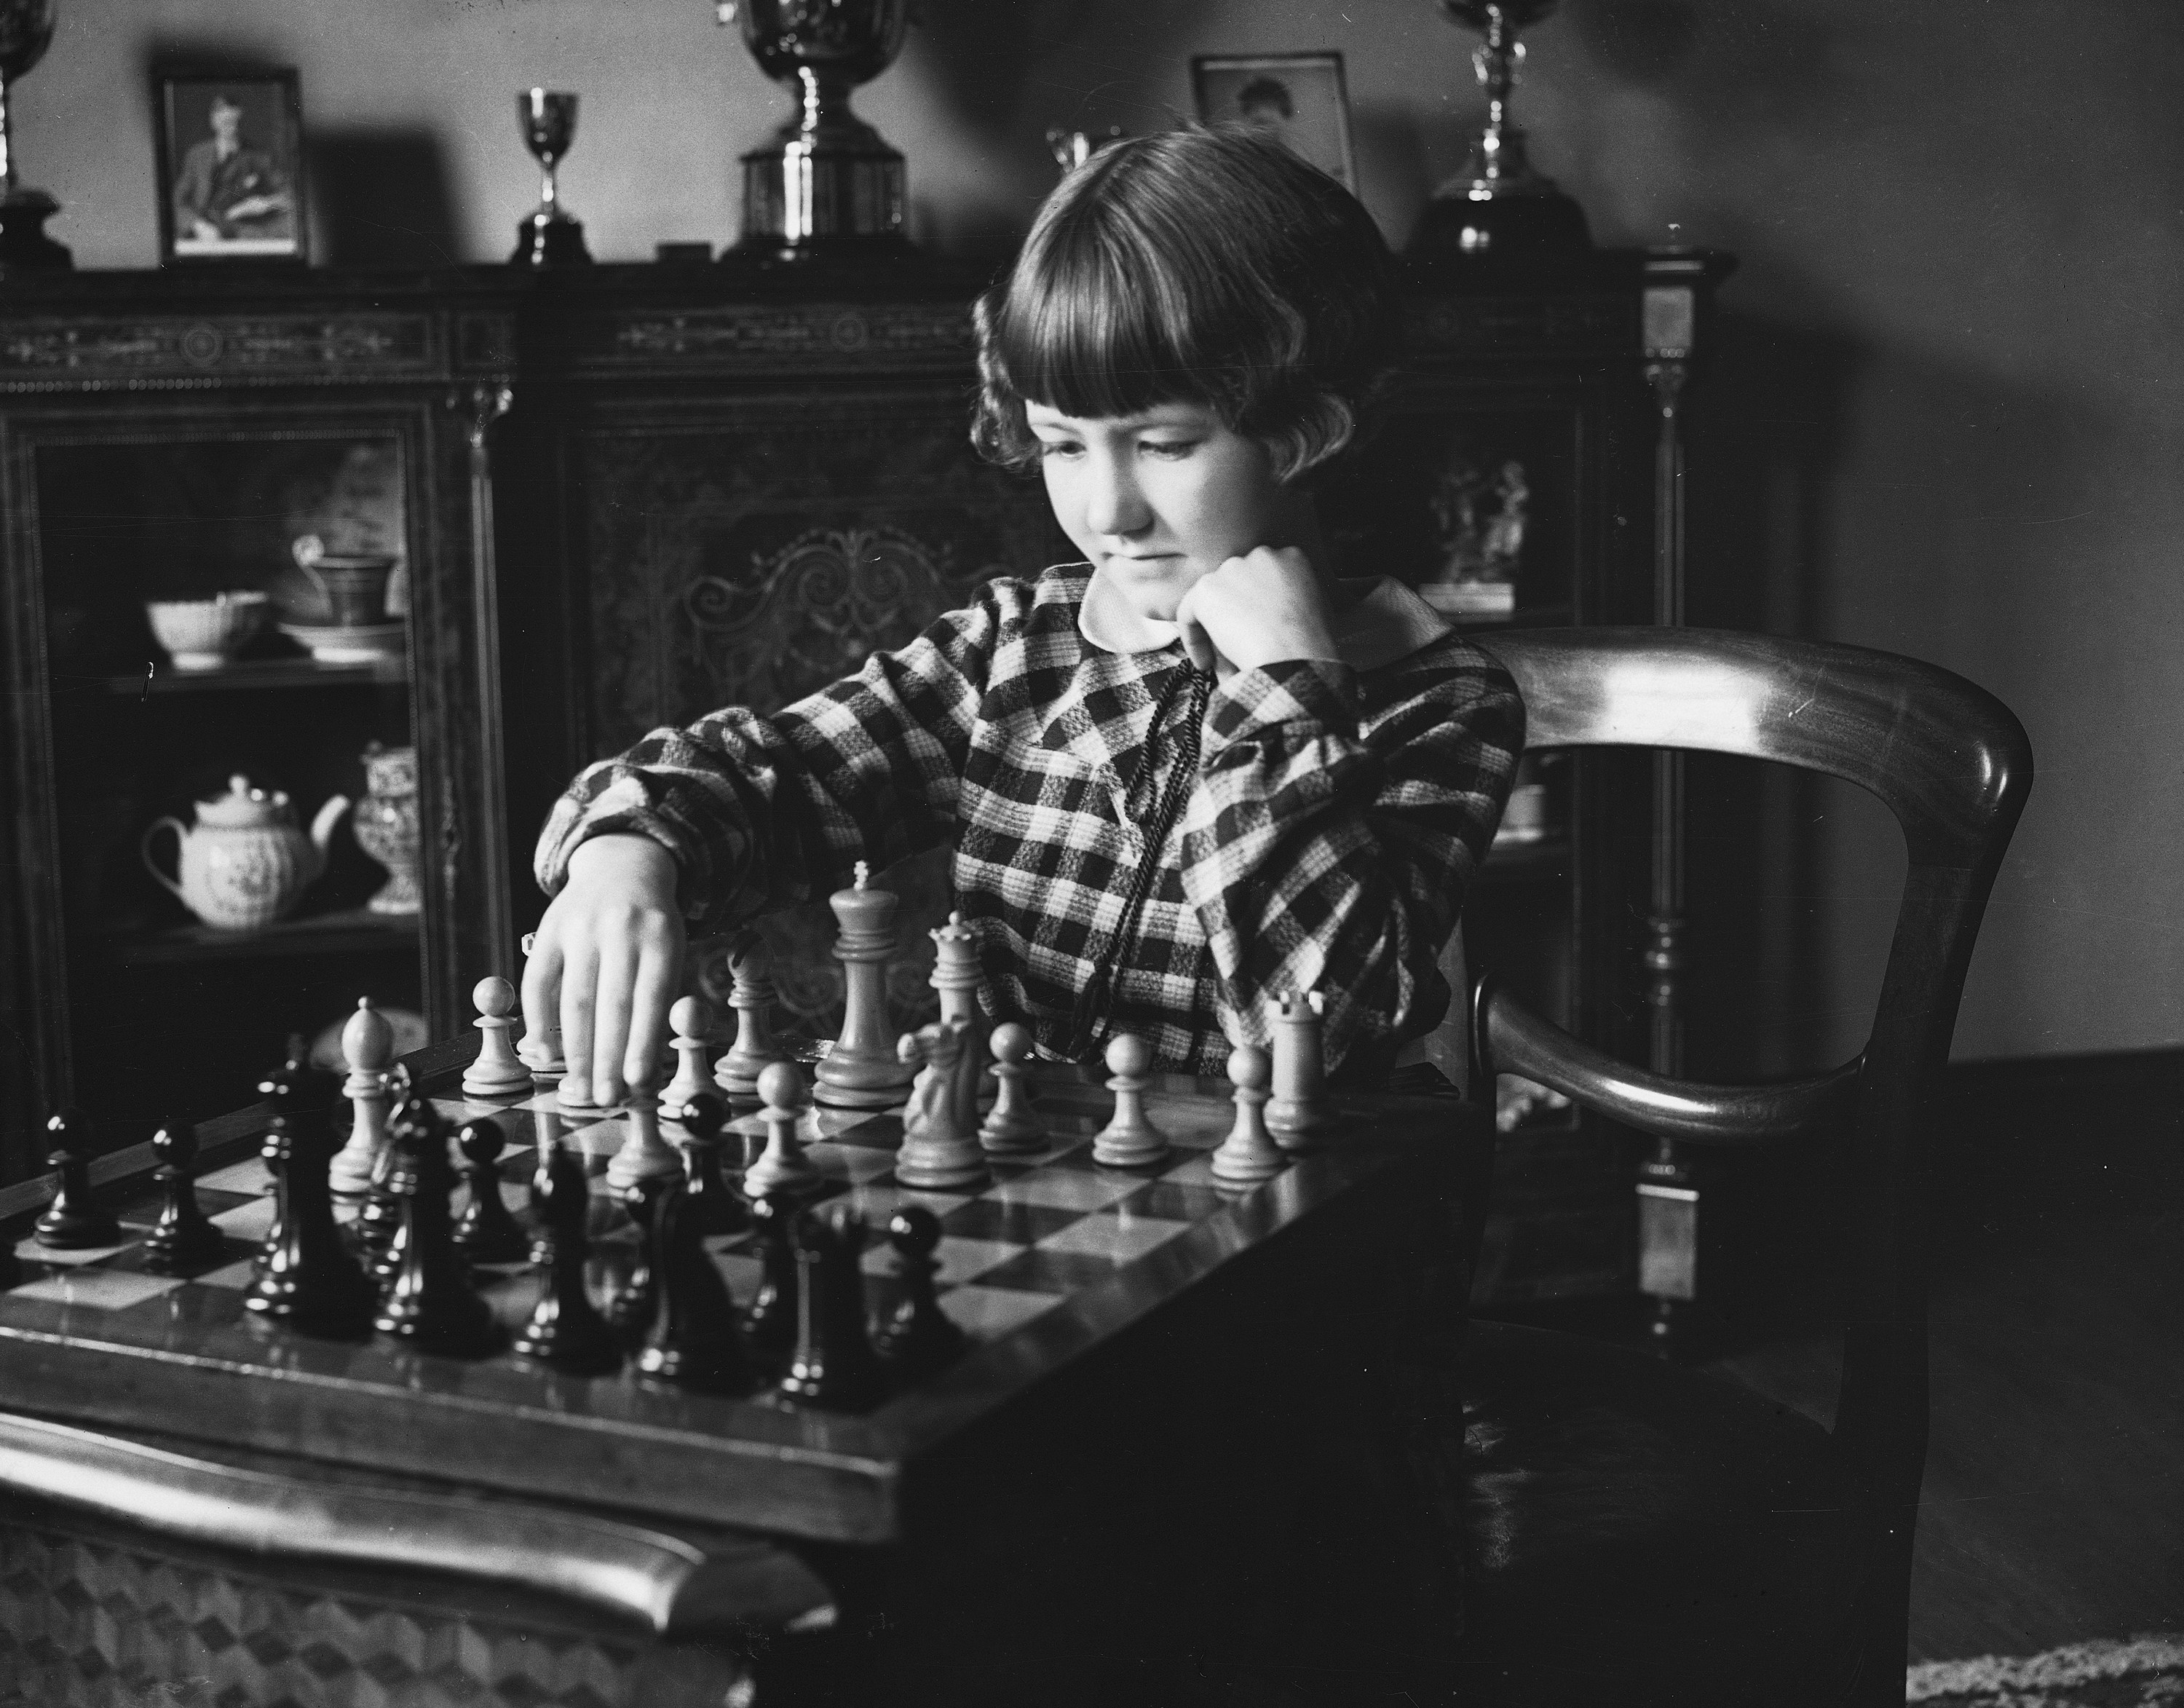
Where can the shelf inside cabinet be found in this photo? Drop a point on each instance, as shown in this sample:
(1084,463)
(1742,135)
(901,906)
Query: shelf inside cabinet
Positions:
(266,673)
(1547,857)
(353,931)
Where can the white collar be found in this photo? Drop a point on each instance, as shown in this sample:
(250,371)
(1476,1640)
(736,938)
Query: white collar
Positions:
(1382,621)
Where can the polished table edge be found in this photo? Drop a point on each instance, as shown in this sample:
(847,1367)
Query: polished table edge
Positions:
(670,1585)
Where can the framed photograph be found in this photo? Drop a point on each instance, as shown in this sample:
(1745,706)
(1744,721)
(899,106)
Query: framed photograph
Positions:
(1300,97)
(230,160)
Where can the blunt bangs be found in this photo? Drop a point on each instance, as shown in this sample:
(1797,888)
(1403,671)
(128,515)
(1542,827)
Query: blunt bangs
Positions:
(1199,266)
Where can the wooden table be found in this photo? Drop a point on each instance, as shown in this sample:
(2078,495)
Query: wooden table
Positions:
(1171,1389)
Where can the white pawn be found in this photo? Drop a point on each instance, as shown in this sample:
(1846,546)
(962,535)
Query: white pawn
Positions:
(1013,1128)
(1249,1154)
(497,1072)
(644,1155)
(367,1043)
(1129,1141)
(782,1167)
(1298,1112)
(691,1018)
(752,998)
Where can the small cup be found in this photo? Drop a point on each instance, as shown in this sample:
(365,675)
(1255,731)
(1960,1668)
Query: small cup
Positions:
(203,634)
(355,588)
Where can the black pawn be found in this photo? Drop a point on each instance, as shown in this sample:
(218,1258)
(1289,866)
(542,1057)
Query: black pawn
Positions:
(564,1330)
(720,1210)
(833,1369)
(428,1302)
(631,1311)
(769,1324)
(920,1337)
(485,1232)
(692,1341)
(72,1222)
(182,1238)
(305,1277)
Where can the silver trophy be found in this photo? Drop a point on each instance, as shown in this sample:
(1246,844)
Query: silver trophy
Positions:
(26,30)
(1499,206)
(826,184)
(549,238)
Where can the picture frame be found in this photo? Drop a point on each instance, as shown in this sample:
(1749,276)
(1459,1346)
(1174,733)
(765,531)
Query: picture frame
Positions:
(229,157)
(1301,96)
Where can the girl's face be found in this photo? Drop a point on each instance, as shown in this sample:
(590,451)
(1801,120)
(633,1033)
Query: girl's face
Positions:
(1157,499)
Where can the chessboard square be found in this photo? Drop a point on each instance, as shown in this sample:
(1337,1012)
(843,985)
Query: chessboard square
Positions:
(741,1273)
(250,1178)
(212,1200)
(1197,1171)
(99,1289)
(1042,1270)
(871,1129)
(846,1163)
(1076,1158)
(234,1275)
(1023,1224)
(250,1221)
(963,1261)
(1118,1239)
(986,1313)
(1073,1190)
(877,1202)
(131,1261)
(1176,1201)
(31,1252)
(1194,1123)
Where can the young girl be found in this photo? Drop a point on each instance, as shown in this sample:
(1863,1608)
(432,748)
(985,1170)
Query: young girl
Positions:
(1190,775)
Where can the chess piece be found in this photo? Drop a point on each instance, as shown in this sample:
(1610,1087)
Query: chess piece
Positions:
(752,997)
(955,978)
(862,1071)
(940,1150)
(1249,1154)
(833,1367)
(497,1071)
(429,1303)
(565,1330)
(644,1154)
(1013,1127)
(920,1337)
(782,1168)
(574,1092)
(692,1341)
(72,1221)
(632,1311)
(367,1044)
(485,1232)
(1129,1140)
(719,1210)
(769,1324)
(1297,1113)
(381,1219)
(691,1019)
(183,1238)
(305,1279)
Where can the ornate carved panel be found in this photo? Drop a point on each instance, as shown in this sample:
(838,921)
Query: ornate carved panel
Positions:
(224,350)
(762,338)
(1505,327)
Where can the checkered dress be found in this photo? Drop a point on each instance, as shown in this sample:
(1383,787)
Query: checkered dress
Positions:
(1323,839)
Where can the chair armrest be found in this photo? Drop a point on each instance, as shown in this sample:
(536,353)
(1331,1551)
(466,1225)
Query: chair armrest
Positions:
(1508,1038)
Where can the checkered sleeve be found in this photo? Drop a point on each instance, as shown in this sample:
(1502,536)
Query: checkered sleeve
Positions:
(1331,844)
(764,812)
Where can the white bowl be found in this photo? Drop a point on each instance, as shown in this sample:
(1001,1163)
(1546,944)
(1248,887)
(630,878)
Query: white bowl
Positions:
(204,634)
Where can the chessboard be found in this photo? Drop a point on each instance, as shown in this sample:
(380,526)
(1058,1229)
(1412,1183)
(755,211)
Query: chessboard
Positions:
(1058,1270)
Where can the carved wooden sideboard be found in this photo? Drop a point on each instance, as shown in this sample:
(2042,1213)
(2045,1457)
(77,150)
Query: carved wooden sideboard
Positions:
(627,495)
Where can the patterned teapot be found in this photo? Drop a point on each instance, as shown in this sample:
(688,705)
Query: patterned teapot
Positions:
(246,862)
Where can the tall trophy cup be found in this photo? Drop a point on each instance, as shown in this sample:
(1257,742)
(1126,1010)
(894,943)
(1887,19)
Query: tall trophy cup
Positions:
(549,238)
(1498,206)
(26,30)
(826,185)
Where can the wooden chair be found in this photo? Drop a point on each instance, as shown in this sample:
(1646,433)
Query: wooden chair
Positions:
(1640,1532)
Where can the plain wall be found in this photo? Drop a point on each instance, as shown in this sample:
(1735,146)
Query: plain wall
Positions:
(1946,410)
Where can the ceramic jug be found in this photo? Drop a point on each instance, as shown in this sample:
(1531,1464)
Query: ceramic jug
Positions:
(245,863)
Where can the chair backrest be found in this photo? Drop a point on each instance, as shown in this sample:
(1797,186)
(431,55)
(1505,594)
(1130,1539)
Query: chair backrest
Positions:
(1954,766)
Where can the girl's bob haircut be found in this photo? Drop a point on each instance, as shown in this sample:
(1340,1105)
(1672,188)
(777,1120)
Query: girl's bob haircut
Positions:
(1202,265)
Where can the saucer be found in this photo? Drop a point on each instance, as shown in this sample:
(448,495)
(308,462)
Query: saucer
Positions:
(330,643)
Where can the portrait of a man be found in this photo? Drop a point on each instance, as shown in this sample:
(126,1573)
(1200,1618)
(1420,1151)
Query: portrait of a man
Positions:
(1296,97)
(233,190)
